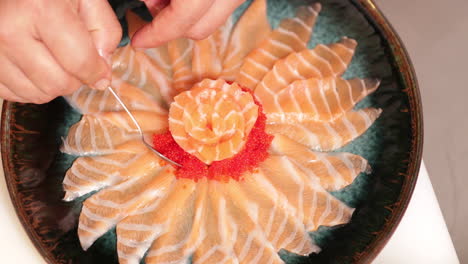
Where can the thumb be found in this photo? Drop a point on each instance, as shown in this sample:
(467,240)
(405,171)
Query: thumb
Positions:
(102,24)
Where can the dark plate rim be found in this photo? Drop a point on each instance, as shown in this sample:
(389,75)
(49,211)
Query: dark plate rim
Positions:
(400,59)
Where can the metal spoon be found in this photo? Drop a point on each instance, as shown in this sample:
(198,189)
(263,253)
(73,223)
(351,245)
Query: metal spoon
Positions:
(139,128)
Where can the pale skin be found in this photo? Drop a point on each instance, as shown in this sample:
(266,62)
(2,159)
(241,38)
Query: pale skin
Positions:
(49,48)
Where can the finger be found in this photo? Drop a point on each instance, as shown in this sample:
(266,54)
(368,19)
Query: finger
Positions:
(213,19)
(69,41)
(171,23)
(102,24)
(155,6)
(16,81)
(7,94)
(43,70)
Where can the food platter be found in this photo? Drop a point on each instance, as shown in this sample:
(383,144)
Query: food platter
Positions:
(34,167)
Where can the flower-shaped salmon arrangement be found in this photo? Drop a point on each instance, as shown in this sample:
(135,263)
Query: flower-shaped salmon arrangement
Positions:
(250,113)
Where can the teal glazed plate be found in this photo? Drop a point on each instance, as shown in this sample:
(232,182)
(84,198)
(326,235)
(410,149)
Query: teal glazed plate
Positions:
(31,136)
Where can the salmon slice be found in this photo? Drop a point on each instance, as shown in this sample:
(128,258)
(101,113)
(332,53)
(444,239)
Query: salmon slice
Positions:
(222,36)
(104,210)
(251,29)
(138,69)
(87,100)
(137,232)
(169,247)
(149,122)
(321,62)
(94,136)
(281,222)
(312,203)
(206,62)
(316,99)
(334,170)
(100,133)
(212,120)
(217,247)
(292,35)
(180,53)
(88,174)
(327,136)
(270,219)
(209,52)
(160,55)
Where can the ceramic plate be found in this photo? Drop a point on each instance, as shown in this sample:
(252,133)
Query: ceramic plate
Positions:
(34,167)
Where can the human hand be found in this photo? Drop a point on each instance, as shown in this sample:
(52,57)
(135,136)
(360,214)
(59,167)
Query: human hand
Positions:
(49,48)
(194,19)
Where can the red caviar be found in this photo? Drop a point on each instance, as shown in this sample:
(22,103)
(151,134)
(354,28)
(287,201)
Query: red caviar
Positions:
(255,151)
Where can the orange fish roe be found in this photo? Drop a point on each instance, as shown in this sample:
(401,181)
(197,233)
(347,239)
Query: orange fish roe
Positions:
(255,151)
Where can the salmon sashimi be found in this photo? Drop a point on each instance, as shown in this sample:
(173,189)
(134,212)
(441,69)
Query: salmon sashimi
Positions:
(307,199)
(292,35)
(138,69)
(334,170)
(92,173)
(251,29)
(105,209)
(138,230)
(88,101)
(316,99)
(274,215)
(327,136)
(94,136)
(100,133)
(250,113)
(203,51)
(321,62)
(180,53)
(211,49)
(212,120)
(175,245)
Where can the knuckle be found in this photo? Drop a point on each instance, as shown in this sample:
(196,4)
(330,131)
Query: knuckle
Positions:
(198,34)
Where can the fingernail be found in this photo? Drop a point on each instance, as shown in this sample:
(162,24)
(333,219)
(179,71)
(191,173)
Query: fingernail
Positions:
(107,57)
(101,84)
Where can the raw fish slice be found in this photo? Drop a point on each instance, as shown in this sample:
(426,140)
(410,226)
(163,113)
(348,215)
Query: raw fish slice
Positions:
(94,136)
(212,128)
(180,53)
(314,205)
(209,52)
(257,215)
(206,62)
(334,170)
(104,210)
(251,29)
(222,36)
(137,232)
(88,174)
(217,247)
(159,55)
(292,35)
(149,122)
(277,215)
(321,62)
(327,136)
(138,69)
(169,247)
(100,133)
(316,99)
(87,100)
